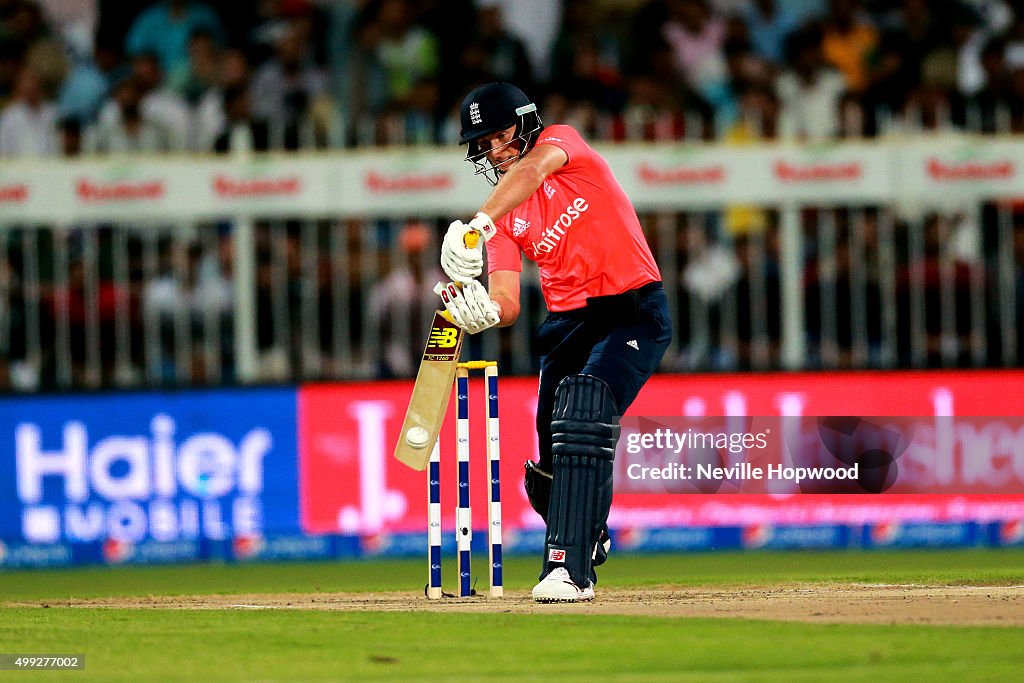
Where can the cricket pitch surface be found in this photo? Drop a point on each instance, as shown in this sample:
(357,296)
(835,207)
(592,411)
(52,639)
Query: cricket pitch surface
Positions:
(847,603)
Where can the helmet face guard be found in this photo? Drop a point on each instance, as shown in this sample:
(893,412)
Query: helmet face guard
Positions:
(492,108)
(528,127)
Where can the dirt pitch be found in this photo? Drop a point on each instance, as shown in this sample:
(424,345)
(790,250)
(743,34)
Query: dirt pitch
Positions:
(821,603)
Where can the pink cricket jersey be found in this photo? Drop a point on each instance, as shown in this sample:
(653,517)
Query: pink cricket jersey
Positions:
(579,227)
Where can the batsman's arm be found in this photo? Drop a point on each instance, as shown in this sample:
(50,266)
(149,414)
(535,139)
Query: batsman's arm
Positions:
(503,288)
(523,179)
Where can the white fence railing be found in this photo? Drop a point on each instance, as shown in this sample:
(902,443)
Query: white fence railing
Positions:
(140,271)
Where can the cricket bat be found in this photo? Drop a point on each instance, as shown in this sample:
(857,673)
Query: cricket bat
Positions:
(433,388)
(431,393)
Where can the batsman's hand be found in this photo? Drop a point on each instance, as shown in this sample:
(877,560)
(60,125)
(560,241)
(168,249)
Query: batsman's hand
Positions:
(470,306)
(461,255)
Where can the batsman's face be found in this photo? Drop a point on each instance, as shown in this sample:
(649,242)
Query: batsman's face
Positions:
(501,149)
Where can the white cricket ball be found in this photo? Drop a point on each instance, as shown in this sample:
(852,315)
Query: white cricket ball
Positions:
(417,437)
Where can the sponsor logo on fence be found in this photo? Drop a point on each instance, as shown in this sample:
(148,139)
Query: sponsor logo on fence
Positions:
(682,175)
(90,191)
(14,194)
(817,172)
(410,182)
(229,187)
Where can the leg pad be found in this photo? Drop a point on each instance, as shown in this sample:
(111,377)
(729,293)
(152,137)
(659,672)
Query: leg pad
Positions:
(584,434)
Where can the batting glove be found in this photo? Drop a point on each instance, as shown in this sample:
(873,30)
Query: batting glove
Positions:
(460,262)
(471,307)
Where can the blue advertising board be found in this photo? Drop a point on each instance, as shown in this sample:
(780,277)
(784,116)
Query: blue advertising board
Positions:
(128,471)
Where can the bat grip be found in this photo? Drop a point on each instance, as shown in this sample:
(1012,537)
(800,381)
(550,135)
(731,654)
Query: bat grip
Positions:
(470,239)
(438,288)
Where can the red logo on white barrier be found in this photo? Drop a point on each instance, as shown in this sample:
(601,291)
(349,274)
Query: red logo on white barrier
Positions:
(13,194)
(227,186)
(817,172)
(682,175)
(410,182)
(88,190)
(970,170)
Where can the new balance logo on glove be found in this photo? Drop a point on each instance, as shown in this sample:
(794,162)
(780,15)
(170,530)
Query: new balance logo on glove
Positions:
(632,342)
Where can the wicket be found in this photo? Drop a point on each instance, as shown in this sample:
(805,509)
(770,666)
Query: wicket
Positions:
(463,513)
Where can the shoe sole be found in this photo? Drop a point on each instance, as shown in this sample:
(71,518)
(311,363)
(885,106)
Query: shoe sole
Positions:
(543,600)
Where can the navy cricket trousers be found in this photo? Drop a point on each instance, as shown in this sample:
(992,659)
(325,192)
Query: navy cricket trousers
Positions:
(621,347)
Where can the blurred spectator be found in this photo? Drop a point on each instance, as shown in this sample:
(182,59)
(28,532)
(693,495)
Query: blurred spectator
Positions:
(187,297)
(16,370)
(908,34)
(758,116)
(930,107)
(809,90)
(488,53)
(536,23)
(127,128)
(164,30)
(660,105)
(987,111)
(744,70)
(201,73)
(1015,99)
(288,87)
(275,18)
(449,22)
(934,288)
(88,84)
(28,124)
(586,94)
(25,29)
(421,123)
(1018,285)
(644,38)
(243,132)
(973,24)
(757,332)
(209,115)
(848,43)
(75,21)
(70,137)
(507,59)
(403,303)
(1015,40)
(586,61)
(88,303)
(841,286)
(696,38)
(405,51)
(10,65)
(158,103)
(769,25)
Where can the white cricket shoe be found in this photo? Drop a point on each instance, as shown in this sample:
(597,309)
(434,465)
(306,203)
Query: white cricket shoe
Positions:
(558,587)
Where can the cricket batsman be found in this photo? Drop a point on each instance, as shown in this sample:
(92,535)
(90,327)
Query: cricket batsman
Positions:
(608,325)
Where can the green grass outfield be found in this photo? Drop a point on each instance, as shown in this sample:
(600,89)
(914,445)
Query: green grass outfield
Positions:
(289,644)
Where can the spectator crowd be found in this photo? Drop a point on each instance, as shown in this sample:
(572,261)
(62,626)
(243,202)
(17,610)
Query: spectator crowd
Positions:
(98,305)
(100,76)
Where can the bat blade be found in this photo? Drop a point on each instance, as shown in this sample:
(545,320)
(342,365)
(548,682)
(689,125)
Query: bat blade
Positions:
(430,394)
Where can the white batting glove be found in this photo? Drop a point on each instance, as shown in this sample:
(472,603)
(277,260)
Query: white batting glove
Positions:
(483,224)
(471,307)
(460,262)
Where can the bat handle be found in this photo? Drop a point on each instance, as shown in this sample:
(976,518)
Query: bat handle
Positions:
(470,239)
